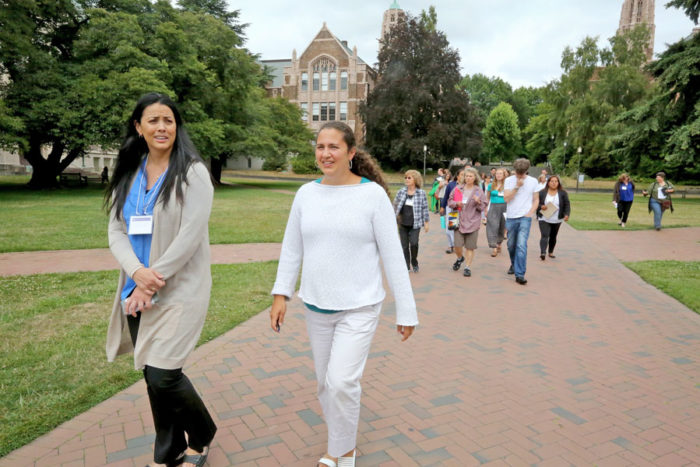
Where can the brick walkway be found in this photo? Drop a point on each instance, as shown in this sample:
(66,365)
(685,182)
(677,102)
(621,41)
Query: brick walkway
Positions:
(586,365)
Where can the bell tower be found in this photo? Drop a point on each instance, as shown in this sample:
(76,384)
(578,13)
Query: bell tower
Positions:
(636,12)
(391,18)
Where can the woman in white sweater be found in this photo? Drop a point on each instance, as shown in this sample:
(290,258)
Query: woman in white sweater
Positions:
(339,228)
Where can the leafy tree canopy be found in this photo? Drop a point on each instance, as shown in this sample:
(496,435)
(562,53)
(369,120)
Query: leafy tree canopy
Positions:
(502,134)
(416,101)
(691,8)
(76,67)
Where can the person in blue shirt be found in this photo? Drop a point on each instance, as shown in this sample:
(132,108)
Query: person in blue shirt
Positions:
(159,199)
(623,196)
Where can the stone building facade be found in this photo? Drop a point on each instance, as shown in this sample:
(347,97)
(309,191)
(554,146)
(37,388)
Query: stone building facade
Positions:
(636,12)
(328,81)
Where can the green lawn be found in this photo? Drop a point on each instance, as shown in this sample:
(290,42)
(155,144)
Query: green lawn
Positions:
(679,279)
(595,211)
(52,337)
(73,218)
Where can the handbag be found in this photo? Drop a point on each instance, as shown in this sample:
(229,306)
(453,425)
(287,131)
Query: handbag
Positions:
(453,220)
(665,204)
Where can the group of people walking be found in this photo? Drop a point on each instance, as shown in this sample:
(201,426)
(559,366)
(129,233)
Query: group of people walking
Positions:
(505,203)
(341,233)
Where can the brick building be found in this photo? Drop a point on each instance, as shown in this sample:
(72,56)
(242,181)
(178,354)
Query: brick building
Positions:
(328,81)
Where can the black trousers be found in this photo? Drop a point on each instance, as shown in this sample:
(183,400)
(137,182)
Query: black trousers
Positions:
(548,236)
(409,243)
(177,409)
(623,210)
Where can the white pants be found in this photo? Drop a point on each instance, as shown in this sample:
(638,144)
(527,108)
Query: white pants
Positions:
(340,343)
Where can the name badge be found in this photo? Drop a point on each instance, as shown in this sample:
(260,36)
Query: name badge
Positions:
(623,188)
(140,225)
(500,193)
(409,202)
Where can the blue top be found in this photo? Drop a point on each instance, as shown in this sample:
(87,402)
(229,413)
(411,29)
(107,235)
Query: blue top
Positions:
(314,307)
(139,202)
(448,190)
(364,180)
(496,198)
(626,192)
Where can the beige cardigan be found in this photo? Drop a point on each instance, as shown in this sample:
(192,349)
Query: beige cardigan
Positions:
(169,331)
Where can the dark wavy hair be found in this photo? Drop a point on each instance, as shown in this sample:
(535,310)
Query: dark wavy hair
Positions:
(133,148)
(363,164)
(559,186)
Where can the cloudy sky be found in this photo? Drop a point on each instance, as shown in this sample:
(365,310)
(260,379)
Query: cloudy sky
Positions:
(520,41)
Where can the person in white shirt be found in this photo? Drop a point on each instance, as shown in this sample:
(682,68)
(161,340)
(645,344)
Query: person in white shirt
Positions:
(521,196)
(340,228)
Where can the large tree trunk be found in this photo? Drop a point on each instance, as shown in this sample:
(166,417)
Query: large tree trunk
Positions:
(46,170)
(217,164)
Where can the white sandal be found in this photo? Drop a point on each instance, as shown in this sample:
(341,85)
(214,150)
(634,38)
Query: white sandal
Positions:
(347,461)
(326,461)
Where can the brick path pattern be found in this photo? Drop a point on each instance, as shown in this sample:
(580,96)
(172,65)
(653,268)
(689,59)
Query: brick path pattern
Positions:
(586,365)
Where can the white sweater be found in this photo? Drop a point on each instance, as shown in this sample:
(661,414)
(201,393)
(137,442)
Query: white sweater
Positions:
(340,233)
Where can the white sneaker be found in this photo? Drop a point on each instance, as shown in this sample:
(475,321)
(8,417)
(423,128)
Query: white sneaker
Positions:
(622,224)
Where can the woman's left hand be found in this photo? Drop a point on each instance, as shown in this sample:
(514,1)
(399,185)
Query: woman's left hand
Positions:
(427,228)
(139,300)
(405,331)
(566,218)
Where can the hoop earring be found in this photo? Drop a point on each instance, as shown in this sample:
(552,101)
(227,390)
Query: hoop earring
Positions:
(350,164)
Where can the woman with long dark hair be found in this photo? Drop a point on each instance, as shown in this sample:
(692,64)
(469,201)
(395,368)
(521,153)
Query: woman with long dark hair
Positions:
(340,228)
(159,200)
(553,209)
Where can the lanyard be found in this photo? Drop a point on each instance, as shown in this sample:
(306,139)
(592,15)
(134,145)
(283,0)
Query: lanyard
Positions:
(153,193)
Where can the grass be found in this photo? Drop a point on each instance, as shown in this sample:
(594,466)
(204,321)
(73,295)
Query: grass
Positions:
(679,279)
(68,219)
(244,211)
(594,211)
(52,336)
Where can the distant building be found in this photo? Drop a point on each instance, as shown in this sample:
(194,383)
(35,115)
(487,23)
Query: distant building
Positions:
(635,12)
(328,81)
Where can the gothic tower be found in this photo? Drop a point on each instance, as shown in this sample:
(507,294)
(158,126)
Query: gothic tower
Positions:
(635,12)
(391,17)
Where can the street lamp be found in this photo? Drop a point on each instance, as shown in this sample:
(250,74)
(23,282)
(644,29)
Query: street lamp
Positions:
(578,167)
(564,168)
(425,151)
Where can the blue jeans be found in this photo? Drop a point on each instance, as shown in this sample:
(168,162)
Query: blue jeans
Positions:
(658,213)
(518,233)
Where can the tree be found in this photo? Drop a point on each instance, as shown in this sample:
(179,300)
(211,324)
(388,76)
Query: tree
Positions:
(691,8)
(485,93)
(597,85)
(76,67)
(502,134)
(416,101)
(663,131)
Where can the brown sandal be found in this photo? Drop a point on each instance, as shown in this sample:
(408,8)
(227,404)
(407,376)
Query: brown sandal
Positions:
(494,253)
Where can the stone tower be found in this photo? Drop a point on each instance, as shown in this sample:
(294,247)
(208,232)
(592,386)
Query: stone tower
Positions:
(635,12)
(391,17)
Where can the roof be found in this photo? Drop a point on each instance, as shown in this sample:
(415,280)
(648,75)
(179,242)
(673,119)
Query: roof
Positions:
(395,6)
(276,68)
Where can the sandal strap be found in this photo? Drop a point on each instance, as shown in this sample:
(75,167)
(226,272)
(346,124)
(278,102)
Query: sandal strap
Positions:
(347,461)
(327,461)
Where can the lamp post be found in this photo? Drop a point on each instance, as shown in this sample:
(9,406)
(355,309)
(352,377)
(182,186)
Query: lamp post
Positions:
(425,151)
(578,167)
(564,167)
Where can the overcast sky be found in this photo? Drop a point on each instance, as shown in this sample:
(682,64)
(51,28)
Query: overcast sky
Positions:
(520,41)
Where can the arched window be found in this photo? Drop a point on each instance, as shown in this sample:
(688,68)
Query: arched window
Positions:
(325,69)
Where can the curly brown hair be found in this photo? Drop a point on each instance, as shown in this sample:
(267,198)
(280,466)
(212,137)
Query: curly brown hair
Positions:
(363,164)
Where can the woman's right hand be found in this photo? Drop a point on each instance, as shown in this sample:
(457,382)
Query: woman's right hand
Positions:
(277,312)
(543,207)
(149,280)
